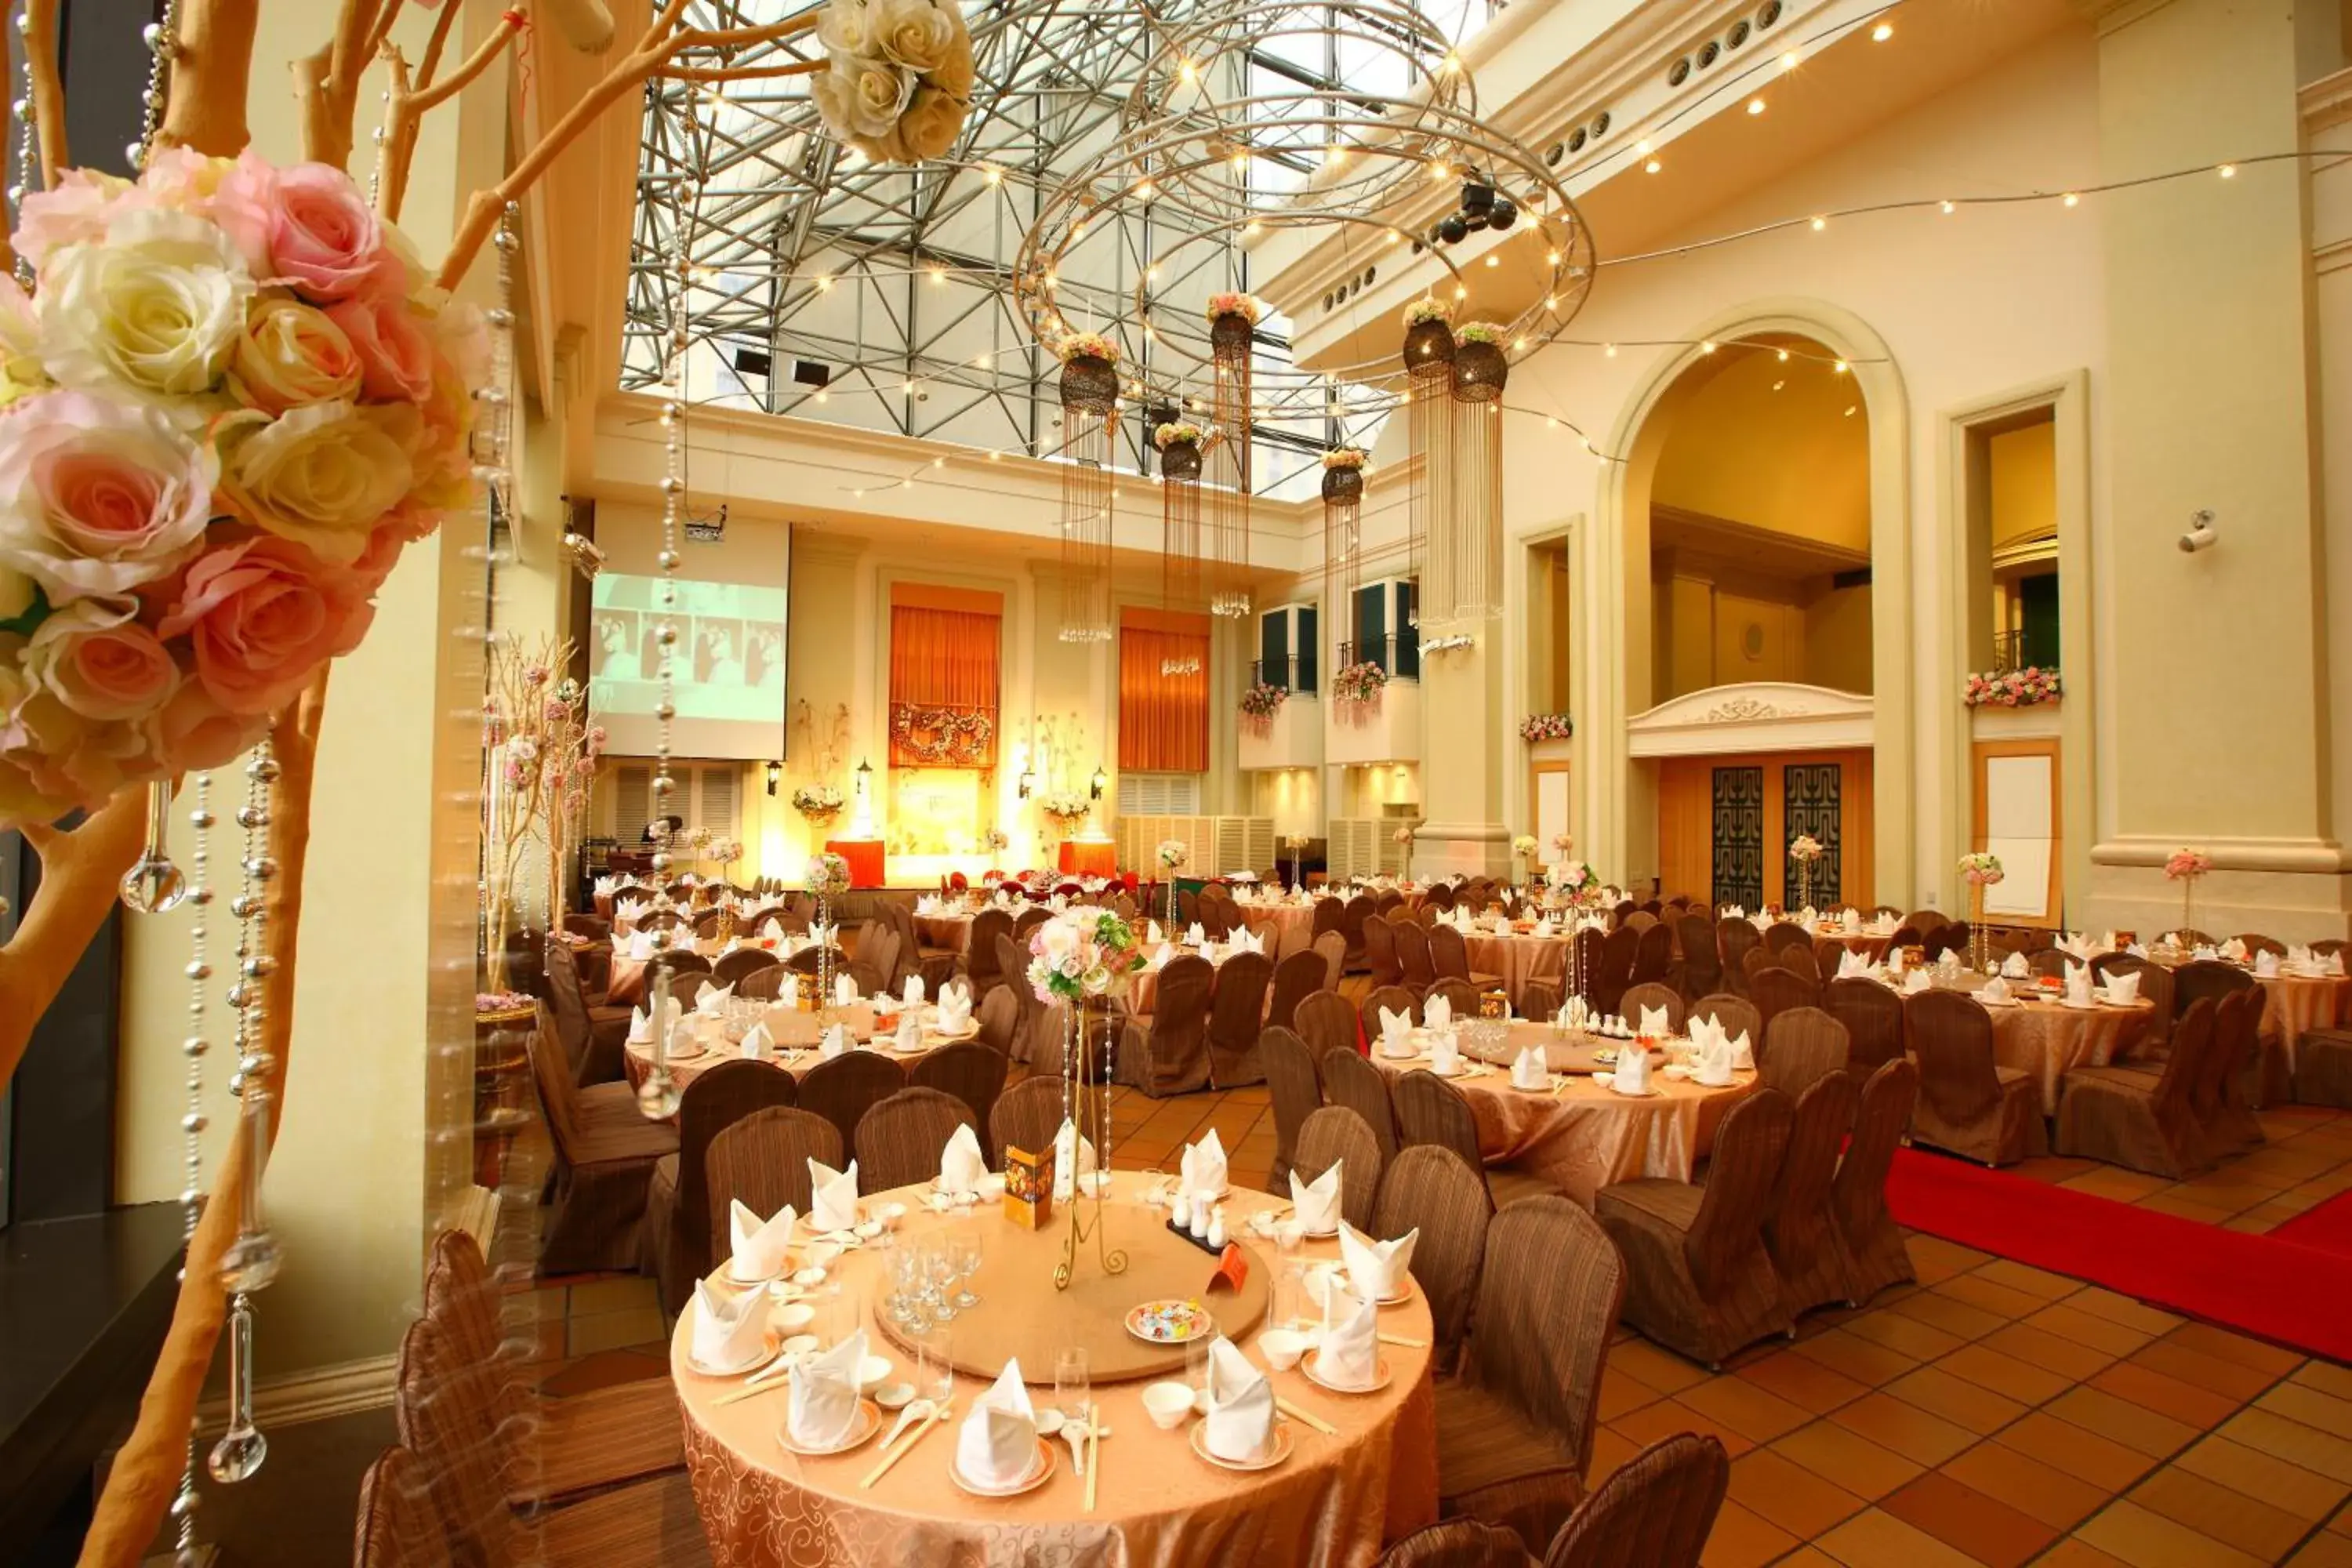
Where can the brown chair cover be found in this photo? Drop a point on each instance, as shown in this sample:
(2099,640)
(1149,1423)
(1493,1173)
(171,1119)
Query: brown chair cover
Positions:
(981,962)
(1396,999)
(1653,959)
(2323,1068)
(1296,1087)
(1439,897)
(1352,1081)
(2051,962)
(1969,1103)
(604,1154)
(765,984)
(1952,936)
(2155,986)
(677,1236)
(1800,1228)
(1653,995)
(1380,955)
(970,1070)
(706,923)
(1515,1430)
(1352,916)
(1540,1000)
(1332,949)
(761,1162)
(1027,920)
(1872,1017)
(1656,1510)
(1326,1023)
(1026,1117)
(1876,1255)
(2149,1123)
(1460,996)
(1926,920)
(734,968)
(2257,942)
(899,1140)
(1432,1112)
(399,1528)
(1295,978)
(1703,1284)
(1412,953)
(1337,1135)
(443,1417)
(1330,915)
(1168,1052)
(1804,963)
(1456,1544)
(1906,935)
(2236,1057)
(1618,951)
(1433,1190)
(686,984)
(1702,959)
(1777,989)
(1449,954)
(1783,935)
(1236,1014)
(594,1037)
(1642,920)
(1000,1020)
(843,1088)
(1028,1030)
(1735,1014)
(1736,939)
(1800,1044)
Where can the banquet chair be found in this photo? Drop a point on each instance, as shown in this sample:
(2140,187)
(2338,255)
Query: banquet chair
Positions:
(734,968)
(1615,972)
(686,984)
(1381,952)
(1620,913)
(1804,963)
(806,962)
(1656,1510)
(676,1234)
(1782,935)
(762,984)
(706,923)
(843,1088)
(686,960)
(2236,1062)
(1332,948)
(399,1528)
(1456,1544)
(1297,1092)
(1540,1000)
(1460,996)
(1295,978)
(1236,1014)
(1800,1046)
(761,1162)
(1642,920)
(1027,920)
(1654,958)
(660,920)
(2206,977)
(1926,920)
(1969,1103)
(876,962)
(1388,903)
(1906,935)
(1449,954)
(934,963)
(1414,955)
(2155,986)
(1514,1429)
(1952,936)
(2323,1068)
(1029,1034)
(1219,917)
(1650,994)
(1431,1111)
(1702,1283)
(1396,999)
(1439,897)
(1168,1052)
(1735,1015)
(1775,991)
(2144,1122)
(1025,1117)
(592,1036)
(1350,1079)
(968,1069)
(2257,942)
(604,1154)
(999,1018)
(1336,1135)
(899,1140)
(979,950)
(2050,961)
(1330,915)
(1800,1229)
(1327,1022)
(1735,941)
(1872,1017)
(1875,1254)
(1430,1188)
(1294,939)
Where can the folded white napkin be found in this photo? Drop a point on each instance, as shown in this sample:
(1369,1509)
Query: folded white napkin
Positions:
(1850,917)
(1437,1013)
(844,991)
(1316,1204)
(1241,1406)
(1377,1269)
(1915,982)
(728,1335)
(961,1164)
(606,884)
(1246,941)
(1632,1075)
(2123,989)
(1743,1054)
(2014,967)
(756,1044)
(997,1445)
(2107,942)
(910,1030)
(1348,1350)
(835,1042)
(1894,961)
(954,1011)
(1950,964)
(710,1000)
(1994,991)
(912,993)
(1446,1055)
(2075,945)
(640,946)
(1735,913)
(2298,954)
(1073,1157)
(1195,935)
(825,1393)
(760,1244)
(1201,1167)
(1852,964)
(833,1196)
(641,1025)
(1654,1022)
(2234,950)
(628,908)
(1543,928)
(2205,950)
(2078,984)
(1530,1068)
(2267,965)
(1058,902)
(2334,964)
(1396,1029)
(1152,932)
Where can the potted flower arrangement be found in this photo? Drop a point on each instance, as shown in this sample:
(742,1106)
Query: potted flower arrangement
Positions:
(1360,683)
(1261,702)
(818,803)
(1979,870)
(1572,879)
(2185,866)
(1343,474)
(2011,688)
(1178,441)
(1428,332)
(827,875)
(1538,727)
(1090,371)
(1233,318)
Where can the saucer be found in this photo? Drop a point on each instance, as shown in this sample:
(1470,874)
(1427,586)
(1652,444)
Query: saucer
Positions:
(1277,1449)
(862,1427)
(1038,1474)
(1307,1363)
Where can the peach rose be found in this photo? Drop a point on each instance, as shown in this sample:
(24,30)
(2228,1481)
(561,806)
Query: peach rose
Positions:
(98,496)
(307,226)
(101,664)
(75,213)
(261,615)
(394,350)
(291,354)
(192,730)
(930,124)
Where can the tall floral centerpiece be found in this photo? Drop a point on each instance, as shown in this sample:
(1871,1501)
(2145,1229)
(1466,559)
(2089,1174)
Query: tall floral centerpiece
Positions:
(1084,960)
(1803,850)
(542,757)
(1402,837)
(2185,866)
(1067,808)
(1172,855)
(1524,849)
(826,879)
(1979,871)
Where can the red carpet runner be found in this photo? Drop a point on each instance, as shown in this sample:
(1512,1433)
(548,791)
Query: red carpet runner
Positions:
(2275,1289)
(2327,1227)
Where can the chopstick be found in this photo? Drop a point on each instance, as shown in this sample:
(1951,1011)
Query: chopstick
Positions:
(1309,1418)
(1094,1458)
(900,1453)
(752,1390)
(1400,1341)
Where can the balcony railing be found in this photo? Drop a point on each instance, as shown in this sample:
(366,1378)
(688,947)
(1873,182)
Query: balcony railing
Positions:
(1398,653)
(1289,672)
(2015,651)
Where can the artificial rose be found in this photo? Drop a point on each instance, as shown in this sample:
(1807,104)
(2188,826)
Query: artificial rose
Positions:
(94,657)
(953,74)
(196,731)
(846,27)
(323,474)
(182,177)
(291,354)
(307,226)
(394,349)
(152,311)
(930,124)
(18,594)
(443,478)
(20,345)
(74,213)
(917,34)
(97,496)
(866,97)
(262,615)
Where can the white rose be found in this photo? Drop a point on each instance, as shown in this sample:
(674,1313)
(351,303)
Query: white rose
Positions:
(152,311)
(918,34)
(322,475)
(846,27)
(15,598)
(862,98)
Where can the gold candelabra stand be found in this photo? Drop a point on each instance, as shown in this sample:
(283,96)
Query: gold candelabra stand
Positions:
(1087,1105)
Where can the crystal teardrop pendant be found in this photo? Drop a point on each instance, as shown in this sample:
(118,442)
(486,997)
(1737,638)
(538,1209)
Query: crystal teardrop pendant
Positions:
(154,884)
(242,1447)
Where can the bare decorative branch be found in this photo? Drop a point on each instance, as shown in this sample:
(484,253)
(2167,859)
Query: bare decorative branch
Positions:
(48,91)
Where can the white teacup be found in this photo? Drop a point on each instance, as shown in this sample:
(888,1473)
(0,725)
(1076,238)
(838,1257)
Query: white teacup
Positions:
(1283,1347)
(1167,1404)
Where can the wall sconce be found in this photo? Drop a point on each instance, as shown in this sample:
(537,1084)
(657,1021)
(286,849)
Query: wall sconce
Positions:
(1446,644)
(1024,783)
(775,775)
(1097,783)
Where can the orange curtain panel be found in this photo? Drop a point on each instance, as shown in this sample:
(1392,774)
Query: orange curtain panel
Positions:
(1164,717)
(944,668)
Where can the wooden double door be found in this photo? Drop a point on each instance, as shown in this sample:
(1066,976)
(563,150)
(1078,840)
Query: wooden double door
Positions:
(1725,823)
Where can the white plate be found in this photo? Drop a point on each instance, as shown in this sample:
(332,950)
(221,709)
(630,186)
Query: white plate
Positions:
(1307,1364)
(862,1427)
(1038,1475)
(1277,1449)
(756,1359)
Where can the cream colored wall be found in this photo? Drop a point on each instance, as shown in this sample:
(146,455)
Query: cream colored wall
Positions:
(1837,639)
(2024,464)
(1788,459)
(1292,797)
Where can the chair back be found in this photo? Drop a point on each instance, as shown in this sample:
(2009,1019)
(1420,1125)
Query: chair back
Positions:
(1236,1013)
(1179,1018)
(1294,1085)
(685,961)
(2155,987)
(1000,1019)
(1952,936)
(761,1162)
(2206,977)
(1012,964)
(1353,1082)
(569,1003)
(1805,962)
(1618,951)
(1396,999)
(1413,953)
(1026,1117)
(1653,959)
(399,1528)
(1332,948)
(1881,1114)
(460,1296)
(1906,935)
(1748,1148)
(2190,1085)
(1926,920)
(764,984)
(2236,1016)
(1872,1017)
(970,1070)
(1430,1188)
(1326,1023)
(1548,1300)
(2051,962)
(443,1419)
(1460,996)
(1777,990)
(1802,1045)
(1656,1510)
(1027,920)
(552,1075)
(1650,994)
(843,1088)
(1457,1544)
(1381,950)
(1449,954)
(1782,935)
(734,968)
(720,1097)
(1951,1035)
(1797,1220)
(979,949)
(1736,940)
(687,984)
(1440,897)
(1295,978)
(1702,959)
(1336,1135)
(1642,920)
(1430,1110)
(1735,1014)
(2257,942)
(1540,1000)
(900,1140)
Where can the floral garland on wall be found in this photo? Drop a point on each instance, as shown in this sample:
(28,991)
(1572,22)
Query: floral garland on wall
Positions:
(819,803)
(1360,683)
(2010,688)
(1538,727)
(943,737)
(1262,702)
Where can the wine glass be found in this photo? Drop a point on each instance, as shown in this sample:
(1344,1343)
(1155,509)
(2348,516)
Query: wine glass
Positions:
(939,1270)
(907,1286)
(964,1244)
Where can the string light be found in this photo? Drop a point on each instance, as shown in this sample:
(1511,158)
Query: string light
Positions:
(2227,171)
(1881,33)
(1948,208)
(1788,61)
(1651,167)
(2072,199)
(1819,223)
(1755,106)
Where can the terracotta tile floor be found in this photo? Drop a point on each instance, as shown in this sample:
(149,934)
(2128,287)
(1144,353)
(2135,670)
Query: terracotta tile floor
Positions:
(1989,1415)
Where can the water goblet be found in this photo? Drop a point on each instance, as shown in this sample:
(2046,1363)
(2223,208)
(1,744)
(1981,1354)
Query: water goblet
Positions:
(934,1372)
(964,1242)
(1071,1392)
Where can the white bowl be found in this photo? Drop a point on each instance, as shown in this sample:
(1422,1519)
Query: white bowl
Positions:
(873,1372)
(791,1320)
(1283,1347)
(992,1186)
(809,1278)
(800,1345)
(1167,1404)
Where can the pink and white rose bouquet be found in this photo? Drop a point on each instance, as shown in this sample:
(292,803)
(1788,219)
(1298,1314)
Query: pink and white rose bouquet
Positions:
(1981,870)
(1081,955)
(2011,688)
(1231,302)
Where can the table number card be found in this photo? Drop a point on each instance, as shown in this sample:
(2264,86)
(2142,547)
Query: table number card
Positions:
(1029,1187)
(1496,1004)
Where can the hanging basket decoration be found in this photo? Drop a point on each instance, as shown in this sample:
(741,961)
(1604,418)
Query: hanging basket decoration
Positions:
(1089,383)
(1481,369)
(1180,460)
(1428,343)
(1230,336)
(1343,486)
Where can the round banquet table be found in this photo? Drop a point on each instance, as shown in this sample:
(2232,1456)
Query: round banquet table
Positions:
(950,932)
(2047,1038)
(1519,958)
(1158,1505)
(796,1034)
(1145,990)
(1585,1135)
(1277,923)
(2294,1004)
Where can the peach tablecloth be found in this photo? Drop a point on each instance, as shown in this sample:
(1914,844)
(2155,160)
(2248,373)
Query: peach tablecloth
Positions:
(2295,1002)
(2046,1038)
(1586,1136)
(1145,989)
(1330,1505)
(1276,923)
(796,1039)
(1518,960)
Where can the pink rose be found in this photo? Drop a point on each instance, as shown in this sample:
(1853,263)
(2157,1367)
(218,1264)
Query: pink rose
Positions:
(193,731)
(98,661)
(394,349)
(99,496)
(307,226)
(75,213)
(262,615)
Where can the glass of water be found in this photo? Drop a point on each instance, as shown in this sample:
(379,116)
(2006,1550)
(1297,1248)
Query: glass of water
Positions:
(963,1243)
(934,1373)
(1070,1382)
